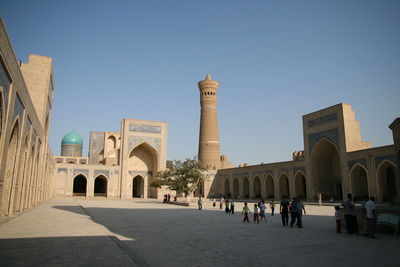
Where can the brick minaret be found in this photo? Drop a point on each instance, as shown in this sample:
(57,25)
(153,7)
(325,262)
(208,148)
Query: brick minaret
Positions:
(209,151)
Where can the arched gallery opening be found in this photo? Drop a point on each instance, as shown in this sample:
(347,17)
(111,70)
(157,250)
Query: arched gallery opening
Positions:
(284,186)
(10,168)
(270,187)
(144,159)
(227,188)
(80,183)
(387,182)
(300,185)
(138,186)
(257,187)
(359,183)
(235,188)
(246,188)
(326,170)
(100,186)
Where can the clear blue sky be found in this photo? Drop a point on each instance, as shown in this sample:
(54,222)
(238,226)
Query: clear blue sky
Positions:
(275,61)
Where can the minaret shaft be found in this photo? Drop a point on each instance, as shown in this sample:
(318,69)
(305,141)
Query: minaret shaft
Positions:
(209,148)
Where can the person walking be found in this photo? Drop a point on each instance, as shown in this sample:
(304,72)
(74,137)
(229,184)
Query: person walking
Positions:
(371,216)
(284,211)
(200,203)
(232,206)
(300,208)
(256,214)
(272,206)
(294,213)
(221,203)
(338,220)
(214,203)
(246,212)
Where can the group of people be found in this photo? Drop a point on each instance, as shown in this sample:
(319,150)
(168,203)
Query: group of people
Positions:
(350,217)
(294,209)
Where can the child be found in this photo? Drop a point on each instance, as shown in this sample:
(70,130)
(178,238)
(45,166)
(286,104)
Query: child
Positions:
(338,218)
(262,211)
(256,213)
(246,211)
(272,206)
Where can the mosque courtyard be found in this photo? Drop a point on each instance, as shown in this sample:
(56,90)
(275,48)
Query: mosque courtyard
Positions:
(149,233)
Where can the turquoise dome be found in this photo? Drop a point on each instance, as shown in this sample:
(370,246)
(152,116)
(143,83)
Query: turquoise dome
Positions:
(72,138)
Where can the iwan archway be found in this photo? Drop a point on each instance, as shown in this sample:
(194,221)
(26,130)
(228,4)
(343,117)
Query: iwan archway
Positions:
(326,173)
(143,161)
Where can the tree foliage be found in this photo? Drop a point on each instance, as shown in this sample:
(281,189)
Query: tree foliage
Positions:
(184,177)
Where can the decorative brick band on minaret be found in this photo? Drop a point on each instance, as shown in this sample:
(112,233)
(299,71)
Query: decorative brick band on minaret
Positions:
(209,150)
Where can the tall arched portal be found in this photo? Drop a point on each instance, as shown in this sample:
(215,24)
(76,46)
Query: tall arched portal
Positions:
(359,183)
(236,188)
(387,182)
(284,186)
(257,187)
(300,185)
(227,187)
(143,161)
(326,170)
(138,186)
(80,184)
(100,186)
(246,188)
(270,187)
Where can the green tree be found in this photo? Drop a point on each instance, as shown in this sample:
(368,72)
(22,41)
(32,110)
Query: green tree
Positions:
(184,177)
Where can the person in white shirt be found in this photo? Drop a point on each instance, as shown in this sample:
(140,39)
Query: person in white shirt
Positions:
(371,216)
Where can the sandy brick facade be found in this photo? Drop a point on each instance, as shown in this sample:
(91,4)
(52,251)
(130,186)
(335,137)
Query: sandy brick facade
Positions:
(27,165)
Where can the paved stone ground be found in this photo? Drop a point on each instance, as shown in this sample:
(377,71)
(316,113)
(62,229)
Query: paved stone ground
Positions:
(103,232)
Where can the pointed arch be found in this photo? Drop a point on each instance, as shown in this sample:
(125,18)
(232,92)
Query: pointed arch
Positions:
(80,185)
(246,188)
(359,182)
(386,176)
(284,186)
(257,187)
(270,187)
(145,158)
(300,184)
(236,188)
(326,170)
(100,186)
(137,186)
(111,143)
(9,175)
(227,187)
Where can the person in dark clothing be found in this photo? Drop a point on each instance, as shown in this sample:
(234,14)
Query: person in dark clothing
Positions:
(349,214)
(295,212)
(284,211)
